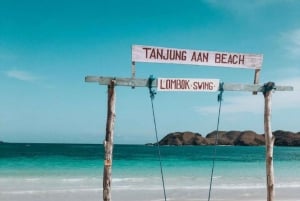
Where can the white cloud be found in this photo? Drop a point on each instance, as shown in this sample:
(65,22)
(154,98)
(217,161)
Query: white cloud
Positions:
(248,103)
(21,75)
(287,71)
(289,99)
(246,6)
(291,40)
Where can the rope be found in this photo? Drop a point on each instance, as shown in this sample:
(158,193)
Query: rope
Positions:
(268,87)
(220,98)
(152,95)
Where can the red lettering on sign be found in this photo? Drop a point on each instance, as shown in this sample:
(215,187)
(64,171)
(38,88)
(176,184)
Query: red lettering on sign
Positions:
(146,48)
(164,54)
(229,58)
(242,59)
(217,58)
(152,55)
(203,85)
(200,56)
(174,84)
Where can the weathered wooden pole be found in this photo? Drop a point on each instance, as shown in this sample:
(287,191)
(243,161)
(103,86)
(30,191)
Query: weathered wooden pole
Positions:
(256,79)
(108,143)
(269,138)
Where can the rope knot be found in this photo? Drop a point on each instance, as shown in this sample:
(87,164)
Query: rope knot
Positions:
(268,87)
(221,89)
(150,83)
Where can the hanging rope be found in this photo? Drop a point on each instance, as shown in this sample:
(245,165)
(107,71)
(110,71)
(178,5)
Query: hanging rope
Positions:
(152,95)
(220,98)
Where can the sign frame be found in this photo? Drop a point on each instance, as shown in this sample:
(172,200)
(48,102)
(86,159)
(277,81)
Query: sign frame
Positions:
(187,84)
(153,54)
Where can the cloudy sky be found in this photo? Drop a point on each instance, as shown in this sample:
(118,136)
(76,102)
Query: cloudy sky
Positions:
(47,48)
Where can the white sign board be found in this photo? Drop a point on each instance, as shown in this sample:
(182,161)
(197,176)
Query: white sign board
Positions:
(184,84)
(152,54)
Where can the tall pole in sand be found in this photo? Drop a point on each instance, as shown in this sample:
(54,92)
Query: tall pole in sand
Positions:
(108,143)
(269,138)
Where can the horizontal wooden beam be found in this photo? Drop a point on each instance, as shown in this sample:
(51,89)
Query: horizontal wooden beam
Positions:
(136,82)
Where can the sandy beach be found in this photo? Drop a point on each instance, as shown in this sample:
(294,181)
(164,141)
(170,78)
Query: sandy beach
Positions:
(95,194)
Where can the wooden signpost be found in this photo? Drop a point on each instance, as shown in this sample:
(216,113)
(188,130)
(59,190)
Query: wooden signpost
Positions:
(194,57)
(151,54)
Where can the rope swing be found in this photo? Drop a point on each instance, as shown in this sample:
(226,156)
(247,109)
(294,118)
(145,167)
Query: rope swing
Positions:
(220,98)
(152,95)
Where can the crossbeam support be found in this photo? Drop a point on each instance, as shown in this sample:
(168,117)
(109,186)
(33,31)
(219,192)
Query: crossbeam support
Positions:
(137,82)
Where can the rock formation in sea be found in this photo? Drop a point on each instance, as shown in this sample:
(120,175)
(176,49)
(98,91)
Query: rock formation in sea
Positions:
(183,138)
(242,138)
(286,138)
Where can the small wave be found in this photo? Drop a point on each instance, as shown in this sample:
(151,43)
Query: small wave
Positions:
(288,185)
(72,180)
(202,187)
(217,177)
(32,179)
(34,192)
(130,179)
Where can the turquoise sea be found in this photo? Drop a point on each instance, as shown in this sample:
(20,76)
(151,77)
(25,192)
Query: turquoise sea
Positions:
(60,172)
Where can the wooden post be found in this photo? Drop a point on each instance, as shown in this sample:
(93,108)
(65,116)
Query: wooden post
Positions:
(269,138)
(108,143)
(256,79)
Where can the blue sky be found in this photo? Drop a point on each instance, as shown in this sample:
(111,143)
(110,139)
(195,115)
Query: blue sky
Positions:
(48,47)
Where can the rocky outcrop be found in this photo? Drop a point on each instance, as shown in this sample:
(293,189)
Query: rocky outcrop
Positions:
(244,138)
(286,138)
(183,138)
(241,138)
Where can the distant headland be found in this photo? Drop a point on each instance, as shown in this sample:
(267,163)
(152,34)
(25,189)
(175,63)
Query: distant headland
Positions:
(240,138)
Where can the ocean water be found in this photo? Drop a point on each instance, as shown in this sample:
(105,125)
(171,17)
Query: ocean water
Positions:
(57,172)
